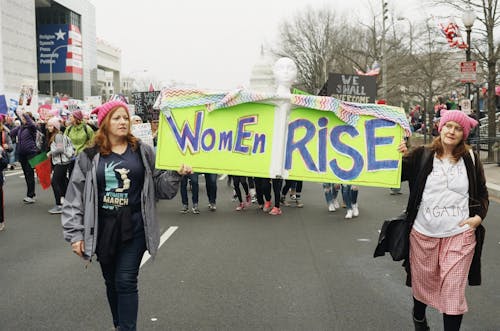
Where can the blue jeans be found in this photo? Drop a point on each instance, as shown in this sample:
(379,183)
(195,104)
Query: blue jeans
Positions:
(350,195)
(194,188)
(211,185)
(120,277)
(330,192)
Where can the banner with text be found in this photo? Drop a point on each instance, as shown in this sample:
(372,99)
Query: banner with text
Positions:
(143,103)
(352,88)
(318,145)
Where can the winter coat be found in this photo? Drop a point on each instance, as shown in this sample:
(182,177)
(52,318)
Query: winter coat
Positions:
(80,209)
(81,135)
(26,137)
(61,150)
(478,198)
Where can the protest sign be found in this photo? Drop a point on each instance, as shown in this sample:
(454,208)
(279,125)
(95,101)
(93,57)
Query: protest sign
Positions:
(143,104)
(143,131)
(352,88)
(325,140)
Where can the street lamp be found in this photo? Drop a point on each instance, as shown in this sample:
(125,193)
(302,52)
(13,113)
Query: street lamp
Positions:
(411,31)
(385,11)
(50,71)
(468,18)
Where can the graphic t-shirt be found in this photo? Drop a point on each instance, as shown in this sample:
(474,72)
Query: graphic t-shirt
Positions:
(120,178)
(445,201)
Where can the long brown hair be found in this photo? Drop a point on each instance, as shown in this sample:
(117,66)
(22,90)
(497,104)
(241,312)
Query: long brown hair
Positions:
(101,137)
(460,150)
(52,135)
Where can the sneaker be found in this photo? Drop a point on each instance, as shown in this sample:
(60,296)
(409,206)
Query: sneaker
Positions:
(249,200)
(241,206)
(184,209)
(2,226)
(275,211)
(284,202)
(293,197)
(212,207)
(195,209)
(336,204)
(267,207)
(331,207)
(29,200)
(56,210)
(298,203)
(355,210)
(348,215)
(254,199)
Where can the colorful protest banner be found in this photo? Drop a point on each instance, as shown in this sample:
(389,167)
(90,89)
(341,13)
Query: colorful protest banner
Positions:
(322,139)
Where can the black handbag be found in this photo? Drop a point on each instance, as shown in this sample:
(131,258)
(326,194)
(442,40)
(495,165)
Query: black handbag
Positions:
(394,238)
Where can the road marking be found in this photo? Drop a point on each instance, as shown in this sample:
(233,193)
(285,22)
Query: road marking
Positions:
(364,240)
(13,173)
(170,231)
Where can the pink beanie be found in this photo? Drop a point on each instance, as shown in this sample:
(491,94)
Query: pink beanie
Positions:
(55,122)
(103,110)
(466,122)
(77,114)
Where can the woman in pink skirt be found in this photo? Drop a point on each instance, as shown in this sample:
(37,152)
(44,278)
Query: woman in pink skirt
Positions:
(448,201)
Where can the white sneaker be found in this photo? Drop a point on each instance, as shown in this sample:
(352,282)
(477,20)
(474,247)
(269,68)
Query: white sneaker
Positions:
(349,213)
(331,207)
(355,210)
(29,200)
(336,204)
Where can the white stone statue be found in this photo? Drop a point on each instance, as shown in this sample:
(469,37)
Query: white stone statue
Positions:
(285,73)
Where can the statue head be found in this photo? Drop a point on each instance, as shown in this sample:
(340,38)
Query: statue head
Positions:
(285,72)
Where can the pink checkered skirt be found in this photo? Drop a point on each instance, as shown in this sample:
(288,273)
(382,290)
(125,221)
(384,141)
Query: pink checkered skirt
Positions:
(439,270)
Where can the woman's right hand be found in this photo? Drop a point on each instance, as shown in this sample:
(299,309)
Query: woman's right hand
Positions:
(78,248)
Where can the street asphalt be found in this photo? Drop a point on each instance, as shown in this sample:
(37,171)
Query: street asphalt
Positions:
(307,269)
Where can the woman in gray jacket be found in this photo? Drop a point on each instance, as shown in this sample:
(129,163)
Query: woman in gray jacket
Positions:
(109,207)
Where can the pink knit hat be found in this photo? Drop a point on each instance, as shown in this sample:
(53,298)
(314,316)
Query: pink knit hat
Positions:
(105,108)
(466,122)
(55,122)
(77,114)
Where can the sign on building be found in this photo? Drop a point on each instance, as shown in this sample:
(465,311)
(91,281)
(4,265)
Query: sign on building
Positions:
(352,88)
(61,46)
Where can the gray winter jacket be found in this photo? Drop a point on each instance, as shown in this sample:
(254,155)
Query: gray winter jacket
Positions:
(80,209)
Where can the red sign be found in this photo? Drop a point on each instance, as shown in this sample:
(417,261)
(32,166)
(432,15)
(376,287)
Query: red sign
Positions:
(468,72)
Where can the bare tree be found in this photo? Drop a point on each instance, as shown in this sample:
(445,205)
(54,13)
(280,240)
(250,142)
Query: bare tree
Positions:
(485,50)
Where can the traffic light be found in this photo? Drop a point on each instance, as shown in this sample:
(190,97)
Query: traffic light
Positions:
(385,10)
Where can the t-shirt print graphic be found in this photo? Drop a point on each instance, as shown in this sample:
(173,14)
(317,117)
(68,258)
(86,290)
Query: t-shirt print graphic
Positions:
(117,185)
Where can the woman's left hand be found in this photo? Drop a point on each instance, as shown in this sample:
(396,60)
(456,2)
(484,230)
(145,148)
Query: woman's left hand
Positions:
(472,221)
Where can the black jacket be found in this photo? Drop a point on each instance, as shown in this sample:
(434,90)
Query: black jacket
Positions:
(478,197)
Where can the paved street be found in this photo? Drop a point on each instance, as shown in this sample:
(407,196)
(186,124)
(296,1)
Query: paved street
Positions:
(307,269)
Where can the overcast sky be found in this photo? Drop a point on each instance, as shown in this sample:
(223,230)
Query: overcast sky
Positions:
(208,43)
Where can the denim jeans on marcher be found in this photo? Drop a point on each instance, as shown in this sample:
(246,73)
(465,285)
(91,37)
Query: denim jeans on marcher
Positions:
(120,278)
(194,188)
(349,195)
(211,186)
(330,192)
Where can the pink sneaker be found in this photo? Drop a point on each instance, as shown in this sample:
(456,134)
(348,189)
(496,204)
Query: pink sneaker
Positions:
(275,211)
(267,207)
(249,200)
(240,206)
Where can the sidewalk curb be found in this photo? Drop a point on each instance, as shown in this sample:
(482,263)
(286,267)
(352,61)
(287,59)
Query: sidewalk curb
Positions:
(493,190)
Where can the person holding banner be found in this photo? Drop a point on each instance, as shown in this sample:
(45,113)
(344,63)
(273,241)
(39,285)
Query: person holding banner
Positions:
(26,150)
(448,202)
(110,207)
